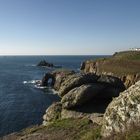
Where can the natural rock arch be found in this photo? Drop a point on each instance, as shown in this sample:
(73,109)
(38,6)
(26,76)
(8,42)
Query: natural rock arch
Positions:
(48,80)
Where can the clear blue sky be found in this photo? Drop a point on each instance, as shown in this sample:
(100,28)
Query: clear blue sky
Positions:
(68,26)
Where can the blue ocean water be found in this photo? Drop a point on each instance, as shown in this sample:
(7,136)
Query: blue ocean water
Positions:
(23,105)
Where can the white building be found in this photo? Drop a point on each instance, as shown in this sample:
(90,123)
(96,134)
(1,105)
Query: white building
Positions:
(135,49)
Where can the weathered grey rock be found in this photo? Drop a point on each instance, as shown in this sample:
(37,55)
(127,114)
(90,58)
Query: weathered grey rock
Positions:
(112,81)
(60,76)
(53,112)
(94,117)
(123,111)
(65,114)
(81,95)
(76,80)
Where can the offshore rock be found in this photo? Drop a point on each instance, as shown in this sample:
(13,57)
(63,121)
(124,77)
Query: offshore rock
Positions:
(44,63)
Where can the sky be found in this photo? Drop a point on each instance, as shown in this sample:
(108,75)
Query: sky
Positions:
(68,27)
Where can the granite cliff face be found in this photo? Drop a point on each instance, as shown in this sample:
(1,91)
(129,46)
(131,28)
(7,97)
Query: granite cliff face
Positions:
(125,65)
(123,111)
(84,95)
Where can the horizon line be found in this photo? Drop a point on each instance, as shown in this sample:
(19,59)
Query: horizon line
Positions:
(56,55)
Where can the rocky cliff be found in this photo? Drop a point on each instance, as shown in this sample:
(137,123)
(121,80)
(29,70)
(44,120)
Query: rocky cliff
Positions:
(91,100)
(84,96)
(125,65)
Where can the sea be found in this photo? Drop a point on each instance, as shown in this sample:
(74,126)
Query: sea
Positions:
(22,104)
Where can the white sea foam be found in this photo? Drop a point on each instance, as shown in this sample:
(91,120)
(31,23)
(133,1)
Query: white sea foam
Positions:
(37,84)
(32,82)
(32,65)
(25,82)
(40,87)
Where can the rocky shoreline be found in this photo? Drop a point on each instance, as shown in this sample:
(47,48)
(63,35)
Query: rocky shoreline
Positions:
(106,92)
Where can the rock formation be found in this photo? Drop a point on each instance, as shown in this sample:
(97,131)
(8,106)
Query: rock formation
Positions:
(57,77)
(60,77)
(75,81)
(44,63)
(123,111)
(84,95)
(53,112)
(48,80)
(81,95)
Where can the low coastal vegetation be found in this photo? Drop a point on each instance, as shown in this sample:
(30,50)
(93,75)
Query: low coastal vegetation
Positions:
(72,129)
(121,63)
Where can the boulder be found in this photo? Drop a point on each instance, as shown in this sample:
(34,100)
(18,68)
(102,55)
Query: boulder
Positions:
(122,112)
(60,76)
(76,80)
(53,112)
(112,81)
(43,63)
(81,95)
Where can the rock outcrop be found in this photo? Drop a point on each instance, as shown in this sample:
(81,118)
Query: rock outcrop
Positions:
(125,65)
(44,63)
(76,80)
(55,78)
(81,95)
(48,80)
(60,77)
(53,113)
(123,111)
(88,94)
(84,95)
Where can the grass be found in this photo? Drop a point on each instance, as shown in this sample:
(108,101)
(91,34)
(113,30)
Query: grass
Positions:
(121,63)
(73,129)
(67,129)
(129,55)
(76,129)
(133,133)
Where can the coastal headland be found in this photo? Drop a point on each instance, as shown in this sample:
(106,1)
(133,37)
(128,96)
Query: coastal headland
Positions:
(102,101)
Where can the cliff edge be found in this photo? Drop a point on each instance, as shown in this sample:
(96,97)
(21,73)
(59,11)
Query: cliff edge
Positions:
(125,65)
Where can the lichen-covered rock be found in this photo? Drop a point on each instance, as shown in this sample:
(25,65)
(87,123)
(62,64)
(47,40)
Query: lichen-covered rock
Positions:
(53,112)
(76,80)
(81,95)
(123,111)
(94,117)
(130,79)
(60,76)
(65,114)
(56,77)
